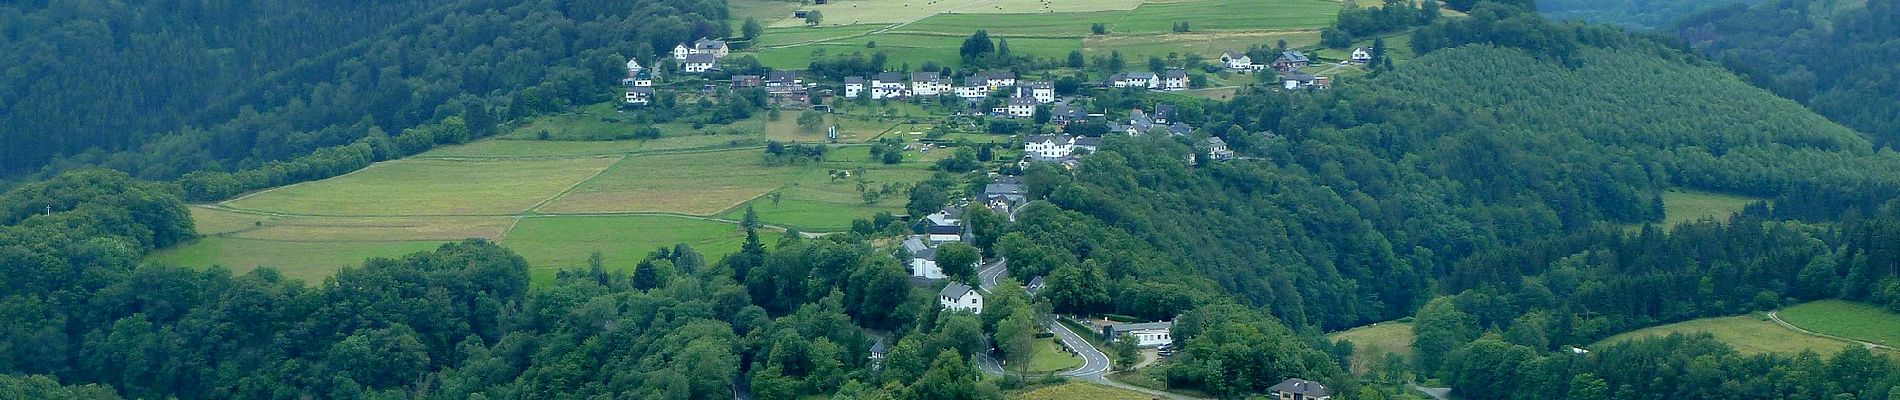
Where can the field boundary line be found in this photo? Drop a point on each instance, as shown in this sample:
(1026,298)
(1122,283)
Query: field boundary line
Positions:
(689,150)
(536,208)
(1870,345)
(273,189)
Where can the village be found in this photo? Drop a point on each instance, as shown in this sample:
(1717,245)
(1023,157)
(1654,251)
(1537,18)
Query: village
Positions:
(1065,127)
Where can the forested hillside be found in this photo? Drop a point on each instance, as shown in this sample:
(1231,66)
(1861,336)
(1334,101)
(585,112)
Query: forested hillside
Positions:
(1635,14)
(161,88)
(1835,57)
(1368,194)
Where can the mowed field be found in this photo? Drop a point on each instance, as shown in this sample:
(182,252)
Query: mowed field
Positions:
(1082,390)
(1748,334)
(1372,342)
(553,201)
(1846,319)
(933,31)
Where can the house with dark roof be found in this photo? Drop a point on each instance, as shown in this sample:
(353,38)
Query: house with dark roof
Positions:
(1174,79)
(878,351)
(1063,113)
(1218,150)
(923,258)
(928,84)
(1043,92)
(1021,107)
(1300,389)
(959,297)
(997,79)
(1292,80)
(1138,79)
(1239,61)
(1146,334)
(853,86)
(943,233)
(1180,129)
(1361,55)
(639,96)
(699,63)
(1035,285)
(717,48)
(1291,60)
(888,85)
(746,81)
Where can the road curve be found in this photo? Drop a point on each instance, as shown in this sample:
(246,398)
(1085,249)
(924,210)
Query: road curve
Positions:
(991,274)
(1094,363)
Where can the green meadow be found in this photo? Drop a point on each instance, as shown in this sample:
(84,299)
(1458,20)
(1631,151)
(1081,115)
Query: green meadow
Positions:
(1372,342)
(1846,319)
(1748,334)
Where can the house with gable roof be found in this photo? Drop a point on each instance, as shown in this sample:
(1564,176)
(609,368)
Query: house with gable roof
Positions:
(1300,389)
(957,296)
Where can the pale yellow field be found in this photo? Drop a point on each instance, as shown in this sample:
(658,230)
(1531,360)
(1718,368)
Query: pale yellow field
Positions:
(696,184)
(420,187)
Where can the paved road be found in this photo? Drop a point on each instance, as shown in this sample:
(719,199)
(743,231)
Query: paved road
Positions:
(1094,363)
(992,273)
(1436,393)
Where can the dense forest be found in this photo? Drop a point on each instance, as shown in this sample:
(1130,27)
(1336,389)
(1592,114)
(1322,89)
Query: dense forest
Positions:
(1835,57)
(161,89)
(1634,14)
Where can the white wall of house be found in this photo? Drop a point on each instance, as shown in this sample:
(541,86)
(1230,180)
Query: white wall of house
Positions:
(1152,337)
(925,268)
(971,301)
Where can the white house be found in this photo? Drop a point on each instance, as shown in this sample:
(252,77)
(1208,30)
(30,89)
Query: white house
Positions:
(1239,61)
(1361,55)
(959,297)
(639,96)
(938,233)
(699,63)
(1043,92)
(1174,79)
(973,89)
(1218,150)
(928,84)
(1049,146)
(998,79)
(634,68)
(1021,107)
(951,215)
(681,51)
(853,86)
(1149,334)
(888,85)
(923,259)
(1141,79)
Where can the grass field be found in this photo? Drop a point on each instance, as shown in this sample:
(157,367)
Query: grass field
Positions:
(1846,319)
(1050,358)
(1372,342)
(695,184)
(418,187)
(1681,206)
(1748,334)
(1082,390)
(553,243)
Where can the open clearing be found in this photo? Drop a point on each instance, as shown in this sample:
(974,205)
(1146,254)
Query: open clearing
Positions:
(1372,342)
(1748,334)
(1082,390)
(1846,319)
(309,261)
(1050,357)
(553,243)
(1681,206)
(695,184)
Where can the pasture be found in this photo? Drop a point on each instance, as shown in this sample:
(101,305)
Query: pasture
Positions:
(556,242)
(1372,342)
(308,261)
(1846,319)
(933,31)
(1680,206)
(692,183)
(1050,358)
(1748,334)
(424,187)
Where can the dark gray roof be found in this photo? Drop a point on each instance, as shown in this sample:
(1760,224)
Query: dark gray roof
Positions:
(853,79)
(1036,85)
(1302,77)
(915,244)
(889,77)
(935,229)
(1046,138)
(1022,101)
(1176,73)
(708,44)
(954,290)
(953,212)
(1009,179)
(641,90)
(1035,282)
(925,254)
(1302,387)
(782,76)
(701,58)
(1216,142)
(1125,328)
(1292,56)
(1088,141)
(1164,111)
(997,75)
(1234,54)
(879,348)
(1180,129)
(923,76)
(1004,189)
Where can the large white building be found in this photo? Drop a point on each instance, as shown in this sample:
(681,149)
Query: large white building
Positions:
(926,84)
(1142,79)
(715,48)
(853,86)
(1021,107)
(1148,334)
(1057,146)
(888,85)
(923,259)
(959,297)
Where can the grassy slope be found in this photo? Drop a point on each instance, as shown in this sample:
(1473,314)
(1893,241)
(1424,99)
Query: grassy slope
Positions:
(430,187)
(1748,334)
(1846,319)
(1050,358)
(1372,342)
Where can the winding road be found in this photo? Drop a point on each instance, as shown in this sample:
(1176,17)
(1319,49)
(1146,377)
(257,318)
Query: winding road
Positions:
(1095,364)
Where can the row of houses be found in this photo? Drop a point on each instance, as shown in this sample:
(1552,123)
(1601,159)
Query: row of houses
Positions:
(1286,61)
(1170,80)
(702,56)
(893,85)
